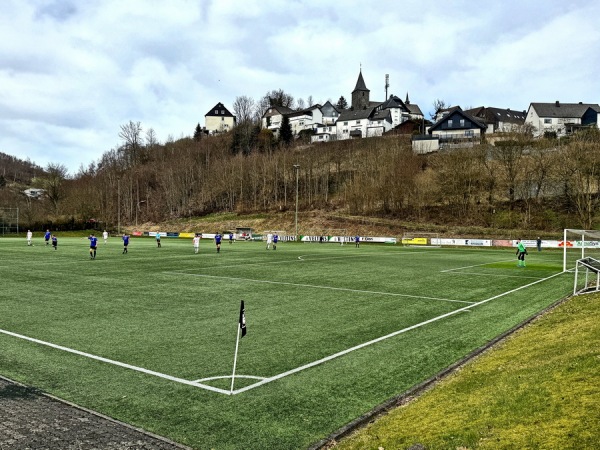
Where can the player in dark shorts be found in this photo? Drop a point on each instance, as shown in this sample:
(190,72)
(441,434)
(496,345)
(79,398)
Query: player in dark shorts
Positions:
(218,238)
(125,243)
(93,244)
(54,242)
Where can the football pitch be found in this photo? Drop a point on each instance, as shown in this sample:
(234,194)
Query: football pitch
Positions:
(149,337)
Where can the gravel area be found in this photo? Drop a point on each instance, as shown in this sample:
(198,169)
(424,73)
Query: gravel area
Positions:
(32,420)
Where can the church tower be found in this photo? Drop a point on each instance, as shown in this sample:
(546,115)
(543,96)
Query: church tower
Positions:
(360,94)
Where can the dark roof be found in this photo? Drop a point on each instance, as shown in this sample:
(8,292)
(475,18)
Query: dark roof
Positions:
(277,110)
(355,115)
(563,110)
(383,114)
(494,115)
(456,110)
(360,83)
(414,109)
(221,111)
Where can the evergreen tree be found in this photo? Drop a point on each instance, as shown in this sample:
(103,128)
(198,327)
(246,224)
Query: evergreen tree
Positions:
(198,133)
(285,132)
(342,103)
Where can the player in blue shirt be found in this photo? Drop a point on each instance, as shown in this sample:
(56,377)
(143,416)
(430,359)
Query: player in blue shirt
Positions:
(218,238)
(275,239)
(125,243)
(47,237)
(54,242)
(93,244)
(357,241)
(230,237)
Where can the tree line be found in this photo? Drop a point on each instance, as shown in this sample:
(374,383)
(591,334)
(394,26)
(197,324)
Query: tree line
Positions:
(517,181)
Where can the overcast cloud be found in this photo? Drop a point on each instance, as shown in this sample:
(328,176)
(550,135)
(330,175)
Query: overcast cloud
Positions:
(72,72)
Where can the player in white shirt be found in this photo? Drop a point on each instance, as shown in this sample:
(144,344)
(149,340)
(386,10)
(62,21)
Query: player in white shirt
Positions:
(29,237)
(196,241)
(269,240)
(105,236)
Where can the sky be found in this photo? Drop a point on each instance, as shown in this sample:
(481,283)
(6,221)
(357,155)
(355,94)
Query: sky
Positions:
(72,72)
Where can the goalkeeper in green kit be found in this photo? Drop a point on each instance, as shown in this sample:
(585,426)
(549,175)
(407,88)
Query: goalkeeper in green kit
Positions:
(521,252)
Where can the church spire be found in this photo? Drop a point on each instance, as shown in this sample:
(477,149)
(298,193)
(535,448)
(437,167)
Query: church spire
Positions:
(407,100)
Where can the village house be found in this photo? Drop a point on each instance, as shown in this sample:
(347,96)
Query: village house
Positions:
(497,119)
(562,118)
(218,119)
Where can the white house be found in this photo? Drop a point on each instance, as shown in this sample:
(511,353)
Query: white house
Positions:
(219,119)
(306,119)
(329,113)
(273,116)
(324,133)
(562,118)
(498,119)
(457,129)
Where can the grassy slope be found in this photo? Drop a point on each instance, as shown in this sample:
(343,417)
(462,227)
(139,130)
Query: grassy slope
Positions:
(540,389)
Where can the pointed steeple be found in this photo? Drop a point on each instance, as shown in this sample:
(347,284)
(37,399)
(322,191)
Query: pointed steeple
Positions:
(407,102)
(360,94)
(360,83)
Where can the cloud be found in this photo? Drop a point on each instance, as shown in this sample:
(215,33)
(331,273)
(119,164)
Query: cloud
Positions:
(72,72)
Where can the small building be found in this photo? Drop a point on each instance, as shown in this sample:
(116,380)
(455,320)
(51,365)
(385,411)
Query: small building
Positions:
(219,119)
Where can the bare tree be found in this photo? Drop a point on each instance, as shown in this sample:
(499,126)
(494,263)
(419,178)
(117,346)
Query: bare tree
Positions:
(438,105)
(300,104)
(244,108)
(53,184)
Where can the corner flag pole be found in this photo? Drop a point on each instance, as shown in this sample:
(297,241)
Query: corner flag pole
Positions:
(242,329)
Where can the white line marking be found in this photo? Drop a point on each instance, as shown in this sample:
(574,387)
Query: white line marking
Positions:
(393,294)
(382,338)
(492,275)
(475,265)
(222,377)
(117,363)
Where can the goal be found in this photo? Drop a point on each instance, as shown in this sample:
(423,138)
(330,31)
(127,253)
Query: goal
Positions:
(579,244)
(9,220)
(421,239)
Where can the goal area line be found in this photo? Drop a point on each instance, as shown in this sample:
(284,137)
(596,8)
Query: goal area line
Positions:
(266,380)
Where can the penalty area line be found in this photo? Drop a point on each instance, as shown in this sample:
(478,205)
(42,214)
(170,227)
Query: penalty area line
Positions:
(387,336)
(313,286)
(475,265)
(117,363)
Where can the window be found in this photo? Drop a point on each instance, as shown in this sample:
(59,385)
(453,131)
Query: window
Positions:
(462,123)
(358,122)
(345,123)
(222,119)
(216,111)
(223,112)
(547,120)
(450,123)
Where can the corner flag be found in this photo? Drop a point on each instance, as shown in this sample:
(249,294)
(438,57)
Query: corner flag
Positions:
(243,319)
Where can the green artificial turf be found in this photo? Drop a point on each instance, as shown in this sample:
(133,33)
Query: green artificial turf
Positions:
(173,312)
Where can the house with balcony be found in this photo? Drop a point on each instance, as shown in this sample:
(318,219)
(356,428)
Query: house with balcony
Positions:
(562,118)
(457,129)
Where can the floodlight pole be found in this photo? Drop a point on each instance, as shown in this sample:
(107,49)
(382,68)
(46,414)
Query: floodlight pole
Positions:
(297,168)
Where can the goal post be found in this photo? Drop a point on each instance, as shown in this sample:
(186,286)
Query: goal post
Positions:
(9,220)
(579,244)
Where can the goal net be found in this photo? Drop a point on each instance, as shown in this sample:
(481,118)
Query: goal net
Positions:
(587,276)
(9,220)
(421,239)
(579,244)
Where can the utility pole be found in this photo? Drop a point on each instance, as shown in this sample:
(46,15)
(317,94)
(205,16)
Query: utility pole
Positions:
(297,168)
